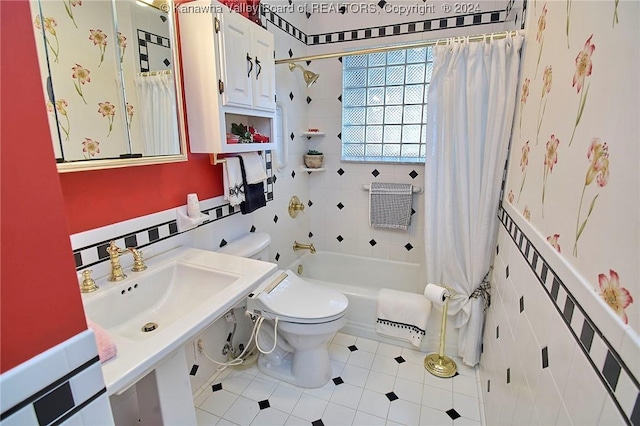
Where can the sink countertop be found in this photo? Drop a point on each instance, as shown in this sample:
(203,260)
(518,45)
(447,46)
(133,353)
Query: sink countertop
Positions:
(137,358)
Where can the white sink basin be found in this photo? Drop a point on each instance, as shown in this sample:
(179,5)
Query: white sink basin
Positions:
(182,292)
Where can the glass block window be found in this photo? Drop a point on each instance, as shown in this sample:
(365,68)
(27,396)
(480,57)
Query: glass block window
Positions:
(384,105)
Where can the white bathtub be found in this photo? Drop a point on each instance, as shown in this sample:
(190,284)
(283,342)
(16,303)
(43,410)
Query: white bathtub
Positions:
(360,279)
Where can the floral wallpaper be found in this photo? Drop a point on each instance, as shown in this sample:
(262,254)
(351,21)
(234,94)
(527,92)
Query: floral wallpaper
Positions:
(573,170)
(80,48)
(86,109)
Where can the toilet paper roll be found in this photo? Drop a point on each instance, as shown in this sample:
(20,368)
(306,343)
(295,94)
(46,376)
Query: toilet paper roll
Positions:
(435,293)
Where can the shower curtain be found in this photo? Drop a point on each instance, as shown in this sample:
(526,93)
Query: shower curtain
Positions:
(471,102)
(158,115)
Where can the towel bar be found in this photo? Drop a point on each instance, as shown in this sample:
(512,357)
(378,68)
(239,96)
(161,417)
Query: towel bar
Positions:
(416,189)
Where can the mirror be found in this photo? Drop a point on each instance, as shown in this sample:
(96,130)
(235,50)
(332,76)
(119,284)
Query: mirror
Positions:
(112,82)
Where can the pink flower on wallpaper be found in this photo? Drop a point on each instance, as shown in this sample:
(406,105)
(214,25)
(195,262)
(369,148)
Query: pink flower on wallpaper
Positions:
(523,98)
(551,155)
(618,298)
(550,158)
(583,64)
(524,158)
(510,196)
(108,110)
(80,74)
(583,70)
(122,43)
(524,161)
(525,91)
(599,155)
(129,114)
(547,78)
(50,107)
(526,213)
(90,147)
(61,107)
(99,38)
(553,240)
(542,23)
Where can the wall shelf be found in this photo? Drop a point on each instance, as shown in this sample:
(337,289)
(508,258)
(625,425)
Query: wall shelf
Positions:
(308,169)
(309,135)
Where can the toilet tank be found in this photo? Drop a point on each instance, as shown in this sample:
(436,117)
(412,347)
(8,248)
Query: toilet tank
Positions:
(254,245)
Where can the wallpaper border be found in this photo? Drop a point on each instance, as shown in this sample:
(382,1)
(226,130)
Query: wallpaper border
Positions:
(612,369)
(390,30)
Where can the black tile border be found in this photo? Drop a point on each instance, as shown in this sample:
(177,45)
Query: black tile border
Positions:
(613,366)
(389,30)
(145,37)
(170,228)
(49,392)
(404,28)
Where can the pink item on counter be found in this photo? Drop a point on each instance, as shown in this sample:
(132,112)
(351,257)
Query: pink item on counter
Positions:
(106,347)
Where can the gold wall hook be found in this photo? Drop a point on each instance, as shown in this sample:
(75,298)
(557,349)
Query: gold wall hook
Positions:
(295,206)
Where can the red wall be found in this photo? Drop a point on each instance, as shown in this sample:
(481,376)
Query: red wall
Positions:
(102,197)
(40,304)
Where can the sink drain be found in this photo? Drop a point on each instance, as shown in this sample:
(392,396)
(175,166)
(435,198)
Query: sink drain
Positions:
(150,326)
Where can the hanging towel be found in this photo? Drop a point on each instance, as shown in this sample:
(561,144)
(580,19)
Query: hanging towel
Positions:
(232,181)
(106,347)
(390,205)
(253,167)
(403,315)
(253,193)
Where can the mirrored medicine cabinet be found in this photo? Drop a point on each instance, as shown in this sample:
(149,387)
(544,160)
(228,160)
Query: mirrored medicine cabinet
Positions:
(112,82)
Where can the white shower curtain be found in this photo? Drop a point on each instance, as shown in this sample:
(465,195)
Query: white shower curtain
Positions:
(158,115)
(471,102)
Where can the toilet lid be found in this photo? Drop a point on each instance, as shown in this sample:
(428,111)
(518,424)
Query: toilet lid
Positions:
(296,299)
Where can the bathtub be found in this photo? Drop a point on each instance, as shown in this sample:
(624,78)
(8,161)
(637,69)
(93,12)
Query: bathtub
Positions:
(360,279)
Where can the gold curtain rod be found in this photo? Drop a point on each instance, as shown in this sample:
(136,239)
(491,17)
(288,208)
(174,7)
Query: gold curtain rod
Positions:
(148,73)
(482,37)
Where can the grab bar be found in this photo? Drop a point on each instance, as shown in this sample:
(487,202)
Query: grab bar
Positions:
(416,189)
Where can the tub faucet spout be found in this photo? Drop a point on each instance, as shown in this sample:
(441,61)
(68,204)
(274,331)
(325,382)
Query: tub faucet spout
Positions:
(298,246)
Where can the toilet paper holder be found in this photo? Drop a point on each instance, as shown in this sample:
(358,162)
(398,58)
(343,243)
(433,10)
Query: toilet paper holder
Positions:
(439,364)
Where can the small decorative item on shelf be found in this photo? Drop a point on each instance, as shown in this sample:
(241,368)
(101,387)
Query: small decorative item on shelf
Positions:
(313,159)
(247,134)
(313,130)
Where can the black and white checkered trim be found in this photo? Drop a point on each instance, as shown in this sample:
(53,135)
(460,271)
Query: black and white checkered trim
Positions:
(96,253)
(459,21)
(604,359)
(282,23)
(144,39)
(58,401)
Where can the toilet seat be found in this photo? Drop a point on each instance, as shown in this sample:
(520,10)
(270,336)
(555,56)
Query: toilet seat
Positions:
(295,300)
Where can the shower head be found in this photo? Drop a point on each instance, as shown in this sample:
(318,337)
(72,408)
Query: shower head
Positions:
(309,77)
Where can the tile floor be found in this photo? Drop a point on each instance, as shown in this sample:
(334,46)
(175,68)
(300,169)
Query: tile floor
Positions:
(373,384)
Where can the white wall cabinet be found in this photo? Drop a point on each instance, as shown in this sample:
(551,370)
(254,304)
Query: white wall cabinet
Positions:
(247,64)
(229,77)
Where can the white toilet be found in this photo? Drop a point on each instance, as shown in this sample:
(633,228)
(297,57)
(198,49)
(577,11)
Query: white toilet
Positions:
(308,316)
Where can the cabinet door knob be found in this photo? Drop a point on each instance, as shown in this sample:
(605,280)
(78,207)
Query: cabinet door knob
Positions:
(259,70)
(250,59)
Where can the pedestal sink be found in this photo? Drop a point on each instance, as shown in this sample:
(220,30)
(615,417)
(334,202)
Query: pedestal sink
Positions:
(150,315)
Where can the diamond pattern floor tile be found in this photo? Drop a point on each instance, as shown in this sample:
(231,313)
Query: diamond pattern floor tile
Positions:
(372,384)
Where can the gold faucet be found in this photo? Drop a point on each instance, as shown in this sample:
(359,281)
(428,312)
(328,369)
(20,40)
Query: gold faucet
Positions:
(114,256)
(88,284)
(298,246)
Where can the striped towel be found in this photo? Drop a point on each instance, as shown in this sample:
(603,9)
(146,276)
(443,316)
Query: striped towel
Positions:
(390,205)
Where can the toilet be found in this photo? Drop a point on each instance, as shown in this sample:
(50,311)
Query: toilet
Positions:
(308,316)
